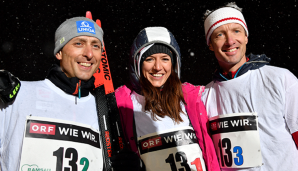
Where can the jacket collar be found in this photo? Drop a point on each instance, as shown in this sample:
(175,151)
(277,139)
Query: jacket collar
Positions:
(254,62)
(69,85)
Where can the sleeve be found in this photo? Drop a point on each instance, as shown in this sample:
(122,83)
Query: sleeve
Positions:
(291,107)
(9,88)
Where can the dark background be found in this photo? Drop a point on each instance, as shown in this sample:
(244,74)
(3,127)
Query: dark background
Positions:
(27,32)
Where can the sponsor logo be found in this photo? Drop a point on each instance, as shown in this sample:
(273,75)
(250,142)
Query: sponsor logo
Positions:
(33,167)
(213,126)
(120,143)
(61,131)
(38,128)
(108,143)
(167,140)
(85,26)
(62,40)
(233,124)
(105,65)
(14,92)
(151,143)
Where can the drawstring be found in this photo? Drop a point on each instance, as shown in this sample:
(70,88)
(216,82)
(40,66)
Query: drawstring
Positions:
(234,76)
(79,89)
(223,77)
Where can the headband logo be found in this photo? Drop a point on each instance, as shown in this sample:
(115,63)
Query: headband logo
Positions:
(85,26)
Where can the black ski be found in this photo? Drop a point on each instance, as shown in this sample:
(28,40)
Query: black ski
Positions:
(107,110)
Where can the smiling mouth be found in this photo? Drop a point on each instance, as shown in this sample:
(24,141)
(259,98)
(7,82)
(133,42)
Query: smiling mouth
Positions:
(157,75)
(85,64)
(230,50)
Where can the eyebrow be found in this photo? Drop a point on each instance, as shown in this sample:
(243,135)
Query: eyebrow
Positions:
(166,55)
(238,26)
(80,39)
(85,40)
(95,41)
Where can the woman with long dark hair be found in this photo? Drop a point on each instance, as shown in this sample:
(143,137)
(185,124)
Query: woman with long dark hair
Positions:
(164,121)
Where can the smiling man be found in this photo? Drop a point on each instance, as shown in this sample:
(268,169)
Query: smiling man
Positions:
(52,124)
(252,107)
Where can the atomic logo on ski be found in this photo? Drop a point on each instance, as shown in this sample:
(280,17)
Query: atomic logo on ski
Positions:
(85,26)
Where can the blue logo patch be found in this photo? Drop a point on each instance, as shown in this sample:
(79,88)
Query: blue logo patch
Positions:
(85,26)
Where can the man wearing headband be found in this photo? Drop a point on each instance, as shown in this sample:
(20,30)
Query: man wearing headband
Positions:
(52,124)
(252,106)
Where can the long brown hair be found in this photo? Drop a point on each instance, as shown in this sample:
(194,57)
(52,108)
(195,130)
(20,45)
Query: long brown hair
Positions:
(165,102)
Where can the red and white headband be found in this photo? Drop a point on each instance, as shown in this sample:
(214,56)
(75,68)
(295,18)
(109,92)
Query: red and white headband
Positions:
(223,16)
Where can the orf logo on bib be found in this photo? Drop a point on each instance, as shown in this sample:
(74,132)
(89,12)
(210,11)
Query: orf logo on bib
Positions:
(85,26)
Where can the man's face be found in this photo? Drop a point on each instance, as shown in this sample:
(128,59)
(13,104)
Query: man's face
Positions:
(229,45)
(80,57)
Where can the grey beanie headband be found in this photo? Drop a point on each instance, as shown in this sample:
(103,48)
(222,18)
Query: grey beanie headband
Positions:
(74,27)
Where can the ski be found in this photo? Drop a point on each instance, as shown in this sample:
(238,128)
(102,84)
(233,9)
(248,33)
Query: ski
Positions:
(107,110)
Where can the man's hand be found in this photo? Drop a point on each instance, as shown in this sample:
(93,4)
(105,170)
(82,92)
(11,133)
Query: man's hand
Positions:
(9,86)
(126,160)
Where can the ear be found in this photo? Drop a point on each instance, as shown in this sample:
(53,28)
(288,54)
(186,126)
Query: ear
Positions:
(59,55)
(246,39)
(210,46)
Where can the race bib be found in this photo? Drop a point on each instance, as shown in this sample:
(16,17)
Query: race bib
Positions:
(56,145)
(236,140)
(171,150)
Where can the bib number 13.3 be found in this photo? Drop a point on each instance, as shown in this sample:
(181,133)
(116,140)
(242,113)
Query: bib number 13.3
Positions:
(181,157)
(71,154)
(226,159)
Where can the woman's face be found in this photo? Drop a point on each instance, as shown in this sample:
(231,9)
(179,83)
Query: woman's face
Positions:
(157,68)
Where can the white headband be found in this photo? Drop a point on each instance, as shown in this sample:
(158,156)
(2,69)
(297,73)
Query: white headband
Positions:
(223,16)
(140,57)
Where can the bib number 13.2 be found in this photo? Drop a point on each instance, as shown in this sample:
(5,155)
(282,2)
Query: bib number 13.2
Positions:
(181,157)
(72,154)
(226,159)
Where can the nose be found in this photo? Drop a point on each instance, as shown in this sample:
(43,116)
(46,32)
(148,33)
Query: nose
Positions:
(157,65)
(88,53)
(230,40)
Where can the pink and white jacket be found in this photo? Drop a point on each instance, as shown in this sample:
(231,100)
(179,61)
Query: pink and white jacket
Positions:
(196,113)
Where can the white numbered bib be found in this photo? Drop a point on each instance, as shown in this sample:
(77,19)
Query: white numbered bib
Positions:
(55,145)
(171,150)
(236,140)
